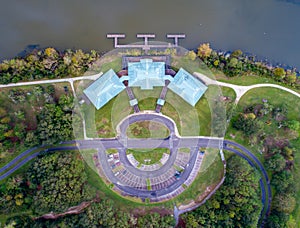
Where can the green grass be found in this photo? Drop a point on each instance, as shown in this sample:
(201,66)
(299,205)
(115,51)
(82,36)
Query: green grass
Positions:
(184,149)
(228,92)
(246,80)
(105,63)
(189,120)
(211,154)
(154,155)
(147,129)
(95,181)
(148,184)
(147,104)
(87,155)
(191,66)
(210,177)
(111,151)
(102,123)
(274,96)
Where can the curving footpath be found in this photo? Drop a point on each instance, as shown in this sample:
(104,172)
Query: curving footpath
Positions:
(241,90)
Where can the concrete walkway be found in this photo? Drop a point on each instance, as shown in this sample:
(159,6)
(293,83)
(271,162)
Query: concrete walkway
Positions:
(241,90)
(70,80)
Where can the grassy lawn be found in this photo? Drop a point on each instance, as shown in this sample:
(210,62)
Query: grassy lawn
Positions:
(105,191)
(246,80)
(184,150)
(193,120)
(296,172)
(191,66)
(87,155)
(275,97)
(105,63)
(228,92)
(211,154)
(111,151)
(102,123)
(171,112)
(148,156)
(147,104)
(208,177)
(204,117)
(147,129)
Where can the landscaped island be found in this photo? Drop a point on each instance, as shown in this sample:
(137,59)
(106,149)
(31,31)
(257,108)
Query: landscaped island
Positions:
(45,118)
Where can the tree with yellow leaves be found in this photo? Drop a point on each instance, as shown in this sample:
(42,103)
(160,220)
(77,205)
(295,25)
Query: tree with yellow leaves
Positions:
(204,50)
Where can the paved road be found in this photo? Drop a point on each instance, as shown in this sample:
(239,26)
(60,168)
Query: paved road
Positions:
(174,139)
(264,181)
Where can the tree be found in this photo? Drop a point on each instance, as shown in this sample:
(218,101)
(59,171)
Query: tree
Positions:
(191,55)
(5,120)
(236,204)
(31,139)
(288,153)
(291,223)
(284,203)
(246,124)
(237,53)
(279,73)
(51,52)
(61,178)
(233,62)
(276,163)
(204,50)
(277,219)
(293,125)
(3,112)
(282,180)
(291,78)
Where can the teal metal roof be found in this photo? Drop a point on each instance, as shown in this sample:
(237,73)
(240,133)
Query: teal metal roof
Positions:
(104,89)
(146,74)
(133,102)
(160,102)
(187,86)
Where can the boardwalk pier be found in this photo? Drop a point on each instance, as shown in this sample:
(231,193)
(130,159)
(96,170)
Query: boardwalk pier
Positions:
(146,46)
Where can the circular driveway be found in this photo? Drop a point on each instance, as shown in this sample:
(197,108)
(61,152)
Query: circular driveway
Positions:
(164,181)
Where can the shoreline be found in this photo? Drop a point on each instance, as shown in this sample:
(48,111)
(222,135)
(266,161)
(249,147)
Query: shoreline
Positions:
(263,59)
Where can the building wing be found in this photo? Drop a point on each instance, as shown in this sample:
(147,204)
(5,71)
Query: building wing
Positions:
(146,74)
(187,86)
(104,89)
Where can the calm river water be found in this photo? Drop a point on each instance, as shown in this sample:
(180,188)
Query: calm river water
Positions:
(269,28)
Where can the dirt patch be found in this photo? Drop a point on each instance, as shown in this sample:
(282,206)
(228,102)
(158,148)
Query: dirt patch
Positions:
(137,212)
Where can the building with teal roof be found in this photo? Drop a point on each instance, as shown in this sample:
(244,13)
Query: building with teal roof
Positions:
(146,74)
(104,89)
(187,87)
